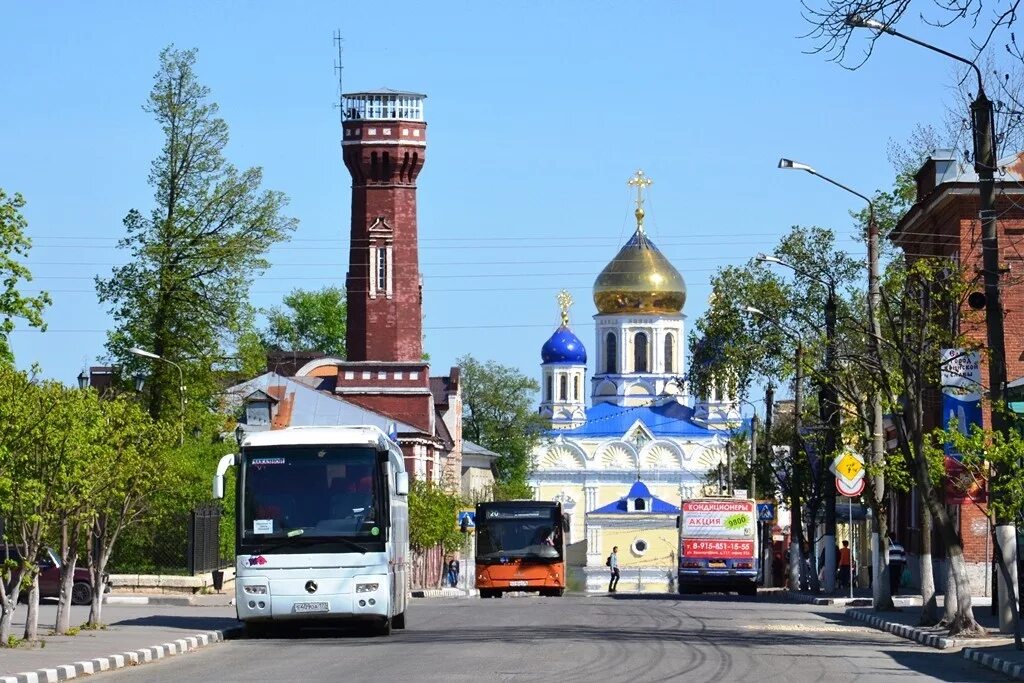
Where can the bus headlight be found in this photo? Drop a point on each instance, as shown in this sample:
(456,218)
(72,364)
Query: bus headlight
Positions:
(366,587)
(256,589)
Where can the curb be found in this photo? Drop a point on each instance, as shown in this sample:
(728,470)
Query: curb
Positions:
(443,593)
(902,630)
(995,663)
(120,661)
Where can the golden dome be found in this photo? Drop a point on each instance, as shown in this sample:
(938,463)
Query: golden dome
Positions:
(639,280)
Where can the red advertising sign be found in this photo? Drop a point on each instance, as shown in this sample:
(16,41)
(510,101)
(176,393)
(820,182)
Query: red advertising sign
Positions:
(718,506)
(711,548)
(961,485)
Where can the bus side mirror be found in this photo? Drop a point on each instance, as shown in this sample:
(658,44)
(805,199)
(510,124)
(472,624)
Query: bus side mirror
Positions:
(402,483)
(218,478)
(464,524)
(677,521)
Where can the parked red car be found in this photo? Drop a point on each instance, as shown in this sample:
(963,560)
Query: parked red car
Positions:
(49,577)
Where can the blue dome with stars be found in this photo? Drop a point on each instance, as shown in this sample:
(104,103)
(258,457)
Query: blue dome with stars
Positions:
(564,348)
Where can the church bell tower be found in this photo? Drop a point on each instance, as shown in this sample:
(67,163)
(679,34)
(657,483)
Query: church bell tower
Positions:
(384,145)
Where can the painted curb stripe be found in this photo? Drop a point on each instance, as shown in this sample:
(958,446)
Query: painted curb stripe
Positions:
(994,663)
(902,630)
(120,661)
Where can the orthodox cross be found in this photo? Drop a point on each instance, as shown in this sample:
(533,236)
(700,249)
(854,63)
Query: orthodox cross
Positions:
(639,181)
(564,302)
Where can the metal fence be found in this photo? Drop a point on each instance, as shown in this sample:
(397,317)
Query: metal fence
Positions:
(176,544)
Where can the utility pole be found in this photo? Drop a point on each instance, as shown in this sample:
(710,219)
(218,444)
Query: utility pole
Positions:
(769,554)
(833,434)
(984,165)
(796,537)
(753,456)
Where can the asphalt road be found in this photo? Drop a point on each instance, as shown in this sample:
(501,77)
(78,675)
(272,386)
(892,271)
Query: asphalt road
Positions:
(599,638)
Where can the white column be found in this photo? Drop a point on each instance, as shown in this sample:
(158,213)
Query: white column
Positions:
(390,270)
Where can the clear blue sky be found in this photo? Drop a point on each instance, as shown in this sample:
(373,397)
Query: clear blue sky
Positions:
(538,114)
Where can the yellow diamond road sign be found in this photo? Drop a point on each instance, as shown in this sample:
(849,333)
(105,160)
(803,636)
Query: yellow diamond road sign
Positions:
(849,467)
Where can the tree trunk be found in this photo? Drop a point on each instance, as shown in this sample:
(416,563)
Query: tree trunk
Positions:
(68,560)
(929,600)
(32,615)
(961,618)
(951,606)
(8,605)
(881,593)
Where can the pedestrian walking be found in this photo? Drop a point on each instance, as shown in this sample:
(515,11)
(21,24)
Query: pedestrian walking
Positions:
(844,566)
(613,565)
(897,561)
(453,572)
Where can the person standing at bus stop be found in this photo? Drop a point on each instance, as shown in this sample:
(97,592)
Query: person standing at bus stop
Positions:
(613,564)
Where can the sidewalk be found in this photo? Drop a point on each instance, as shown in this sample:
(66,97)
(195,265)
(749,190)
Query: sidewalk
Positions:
(996,652)
(130,628)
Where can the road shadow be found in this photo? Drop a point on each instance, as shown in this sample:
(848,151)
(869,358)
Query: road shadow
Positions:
(675,597)
(188,622)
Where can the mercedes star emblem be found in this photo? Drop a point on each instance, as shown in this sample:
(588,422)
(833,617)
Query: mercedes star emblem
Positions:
(311,586)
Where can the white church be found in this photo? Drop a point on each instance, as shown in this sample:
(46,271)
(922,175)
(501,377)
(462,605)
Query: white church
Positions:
(641,424)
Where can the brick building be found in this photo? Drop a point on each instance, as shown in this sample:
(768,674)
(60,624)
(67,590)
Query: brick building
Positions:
(944,221)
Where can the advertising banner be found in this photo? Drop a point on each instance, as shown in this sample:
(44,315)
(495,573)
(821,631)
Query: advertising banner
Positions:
(961,401)
(716,549)
(724,519)
(961,391)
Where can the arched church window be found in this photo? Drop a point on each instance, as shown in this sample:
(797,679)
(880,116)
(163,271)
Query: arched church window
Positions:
(640,352)
(610,354)
(669,353)
(576,388)
(550,384)
(563,388)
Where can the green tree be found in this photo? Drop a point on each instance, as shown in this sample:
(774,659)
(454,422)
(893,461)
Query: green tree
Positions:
(498,414)
(310,320)
(184,292)
(15,245)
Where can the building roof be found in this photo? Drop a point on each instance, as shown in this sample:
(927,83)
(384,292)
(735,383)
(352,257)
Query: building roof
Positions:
(669,418)
(385,91)
(311,407)
(638,490)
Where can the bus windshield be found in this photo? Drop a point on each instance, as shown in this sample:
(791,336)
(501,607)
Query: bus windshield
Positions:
(312,491)
(519,533)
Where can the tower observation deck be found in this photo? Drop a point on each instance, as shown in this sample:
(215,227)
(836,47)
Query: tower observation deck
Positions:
(383,104)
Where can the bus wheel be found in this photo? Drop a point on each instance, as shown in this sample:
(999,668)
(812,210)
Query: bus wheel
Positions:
(398,621)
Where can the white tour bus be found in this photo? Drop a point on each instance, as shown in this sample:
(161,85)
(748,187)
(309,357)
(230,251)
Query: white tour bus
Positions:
(322,527)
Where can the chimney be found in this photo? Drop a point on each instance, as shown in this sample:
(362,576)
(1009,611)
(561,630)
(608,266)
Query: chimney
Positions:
(940,167)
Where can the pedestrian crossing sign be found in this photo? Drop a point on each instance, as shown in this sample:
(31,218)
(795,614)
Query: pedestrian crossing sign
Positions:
(467,517)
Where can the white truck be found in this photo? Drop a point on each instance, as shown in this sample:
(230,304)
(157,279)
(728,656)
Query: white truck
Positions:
(322,527)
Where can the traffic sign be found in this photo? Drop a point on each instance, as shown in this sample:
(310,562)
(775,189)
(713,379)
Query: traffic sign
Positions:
(850,490)
(469,516)
(849,467)
(766,512)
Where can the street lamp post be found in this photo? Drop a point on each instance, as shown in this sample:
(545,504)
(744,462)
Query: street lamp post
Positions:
(181,387)
(798,571)
(830,410)
(875,336)
(982,125)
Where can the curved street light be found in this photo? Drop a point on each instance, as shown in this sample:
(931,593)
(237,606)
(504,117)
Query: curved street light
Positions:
(181,386)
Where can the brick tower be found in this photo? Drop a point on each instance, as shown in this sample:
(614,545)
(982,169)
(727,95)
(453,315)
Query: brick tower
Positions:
(384,145)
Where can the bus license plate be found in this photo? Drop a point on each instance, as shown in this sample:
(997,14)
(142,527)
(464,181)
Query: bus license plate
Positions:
(716,564)
(306,607)
(518,583)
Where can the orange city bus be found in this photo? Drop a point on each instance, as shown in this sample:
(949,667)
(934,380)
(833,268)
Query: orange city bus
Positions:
(520,546)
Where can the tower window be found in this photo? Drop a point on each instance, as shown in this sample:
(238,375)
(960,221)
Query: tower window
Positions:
(374,170)
(576,388)
(639,504)
(610,354)
(563,388)
(640,352)
(550,384)
(669,353)
(382,269)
